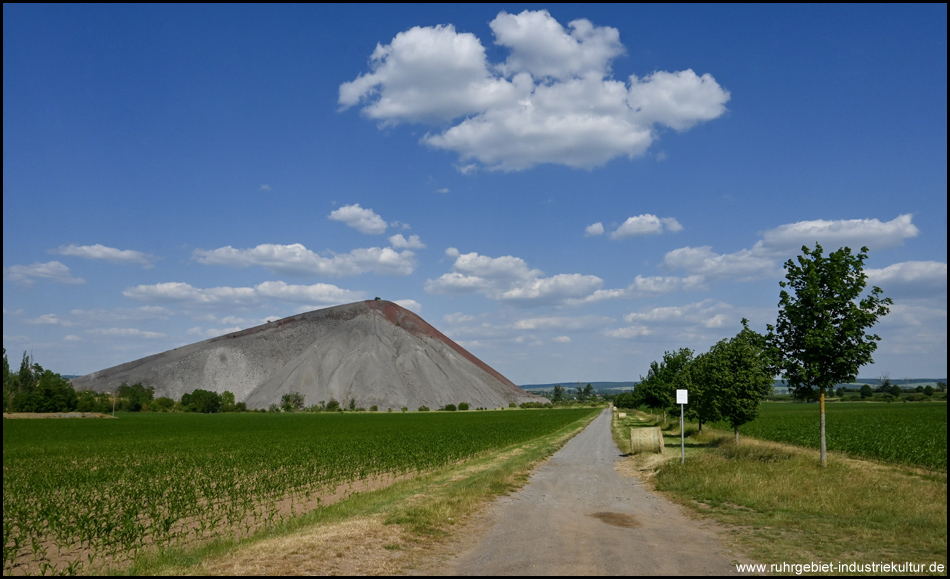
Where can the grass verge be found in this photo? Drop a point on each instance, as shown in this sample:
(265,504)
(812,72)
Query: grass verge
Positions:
(373,533)
(781,506)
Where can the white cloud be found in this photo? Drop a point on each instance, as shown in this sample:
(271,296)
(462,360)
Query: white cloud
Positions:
(645,224)
(629,332)
(551,101)
(125,333)
(562,340)
(832,235)
(551,290)
(509,279)
(363,220)
(911,279)
(98,251)
(295,259)
(685,323)
(594,230)
(762,261)
(177,292)
(49,320)
(400,242)
(745,264)
(53,271)
(563,323)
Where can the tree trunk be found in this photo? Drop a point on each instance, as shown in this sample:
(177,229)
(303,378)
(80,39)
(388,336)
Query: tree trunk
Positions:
(737,434)
(824,448)
(700,427)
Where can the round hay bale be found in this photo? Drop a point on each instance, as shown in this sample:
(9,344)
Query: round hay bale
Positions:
(622,415)
(646,440)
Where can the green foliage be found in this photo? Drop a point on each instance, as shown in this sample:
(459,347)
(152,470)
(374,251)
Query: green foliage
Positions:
(658,389)
(558,394)
(34,389)
(292,402)
(133,398)
(463,405)
(450,408)
(820,336)
(203,401)
(333,405)
(423,409)
(867,391)
(750,381)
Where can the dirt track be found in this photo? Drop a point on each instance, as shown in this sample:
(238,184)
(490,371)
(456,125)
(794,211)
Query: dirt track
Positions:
(578,516)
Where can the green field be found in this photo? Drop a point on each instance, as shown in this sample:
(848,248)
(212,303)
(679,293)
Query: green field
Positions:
(913,434)
(78,494)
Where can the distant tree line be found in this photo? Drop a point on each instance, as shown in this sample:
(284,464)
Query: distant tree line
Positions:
(35,389)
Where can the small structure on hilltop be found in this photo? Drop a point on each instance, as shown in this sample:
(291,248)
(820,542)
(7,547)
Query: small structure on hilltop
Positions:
(372,352)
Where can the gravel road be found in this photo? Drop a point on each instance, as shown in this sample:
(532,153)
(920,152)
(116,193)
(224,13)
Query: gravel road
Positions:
(578,516)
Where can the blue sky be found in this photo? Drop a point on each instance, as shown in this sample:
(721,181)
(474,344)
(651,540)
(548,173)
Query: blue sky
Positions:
(567,192)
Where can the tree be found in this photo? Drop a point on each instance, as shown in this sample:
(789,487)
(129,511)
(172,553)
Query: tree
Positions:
(292,402)
(747,380)
(866,391)
(704,371)
(820,336)
(658,389)
(558,394)
(227,401)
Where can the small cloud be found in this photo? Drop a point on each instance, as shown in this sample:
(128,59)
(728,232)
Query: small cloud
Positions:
(443,190)
(264,187)
(400,242)
(595,229)
(49,320)
(645,224)
(363,220)
(662,156)
(110,254)
(562,340)
(53,271)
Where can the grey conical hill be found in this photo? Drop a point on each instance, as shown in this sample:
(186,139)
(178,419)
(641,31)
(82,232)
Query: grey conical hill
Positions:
(373,352)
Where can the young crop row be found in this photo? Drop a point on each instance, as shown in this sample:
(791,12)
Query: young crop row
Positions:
(79,494)
(911,434)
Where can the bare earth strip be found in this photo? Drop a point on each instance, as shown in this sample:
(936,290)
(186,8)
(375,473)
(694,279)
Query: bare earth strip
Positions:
(578,516)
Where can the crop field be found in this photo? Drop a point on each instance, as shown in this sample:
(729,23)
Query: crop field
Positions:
(80,494)
(913,434)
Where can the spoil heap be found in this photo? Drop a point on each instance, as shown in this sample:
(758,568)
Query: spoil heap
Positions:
(372,352)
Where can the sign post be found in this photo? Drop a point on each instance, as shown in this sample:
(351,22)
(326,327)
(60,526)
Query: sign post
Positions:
(681,396)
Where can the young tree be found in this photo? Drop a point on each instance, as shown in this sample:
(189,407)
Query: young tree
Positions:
(704,372)
(658,389)
(747,378)
(820,336)
(558,394)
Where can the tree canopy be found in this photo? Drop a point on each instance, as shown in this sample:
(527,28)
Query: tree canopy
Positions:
(820,337)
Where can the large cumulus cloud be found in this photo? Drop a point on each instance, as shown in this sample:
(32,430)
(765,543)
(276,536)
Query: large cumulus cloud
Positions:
(553,100)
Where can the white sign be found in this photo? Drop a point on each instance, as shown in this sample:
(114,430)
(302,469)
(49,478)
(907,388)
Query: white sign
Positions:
(681,397)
